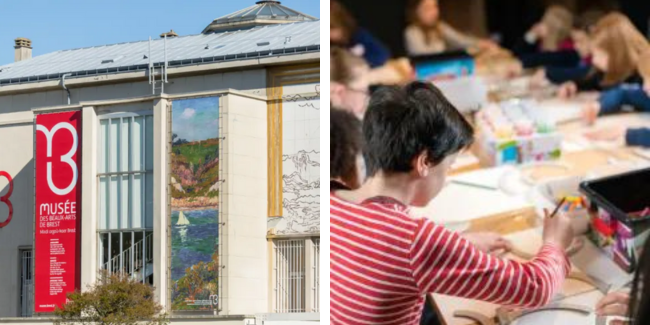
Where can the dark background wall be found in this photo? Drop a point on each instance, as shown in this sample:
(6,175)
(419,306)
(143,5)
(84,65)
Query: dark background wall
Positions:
(508,18)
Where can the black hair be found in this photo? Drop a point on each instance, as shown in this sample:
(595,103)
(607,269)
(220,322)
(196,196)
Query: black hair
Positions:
(402,122)
(345,145)
(639,309)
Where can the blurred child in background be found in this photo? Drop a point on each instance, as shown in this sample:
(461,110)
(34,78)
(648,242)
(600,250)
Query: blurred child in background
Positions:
(549,42)
(349,82)
(616,47)
(611,101)
(345,32)
(427,34)
(582,28)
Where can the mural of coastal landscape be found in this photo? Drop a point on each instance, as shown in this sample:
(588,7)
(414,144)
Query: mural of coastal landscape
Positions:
(300,160)
(194,202)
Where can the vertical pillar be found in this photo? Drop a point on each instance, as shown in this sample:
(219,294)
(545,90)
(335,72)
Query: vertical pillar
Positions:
(310,273)
(160,184)
(88,243)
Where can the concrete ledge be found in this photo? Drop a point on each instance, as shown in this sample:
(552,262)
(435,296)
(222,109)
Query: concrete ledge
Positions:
(151,98)
(173,71)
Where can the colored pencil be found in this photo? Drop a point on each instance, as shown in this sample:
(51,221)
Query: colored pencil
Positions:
(557,208)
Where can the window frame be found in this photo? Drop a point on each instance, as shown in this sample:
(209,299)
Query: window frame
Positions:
(147,173)
(25,311)
(310,260)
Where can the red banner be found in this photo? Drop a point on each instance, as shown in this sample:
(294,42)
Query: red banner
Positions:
(58,209)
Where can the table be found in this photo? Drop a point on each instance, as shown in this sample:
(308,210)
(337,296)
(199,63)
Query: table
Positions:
(582,158)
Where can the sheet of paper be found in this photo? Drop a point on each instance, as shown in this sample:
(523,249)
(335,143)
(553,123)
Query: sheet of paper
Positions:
(588,299)
(562,111)
(459,203)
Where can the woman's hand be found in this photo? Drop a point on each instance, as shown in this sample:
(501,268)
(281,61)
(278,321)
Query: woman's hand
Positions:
(590,112)
(614,304)
(488,242)
(567,90)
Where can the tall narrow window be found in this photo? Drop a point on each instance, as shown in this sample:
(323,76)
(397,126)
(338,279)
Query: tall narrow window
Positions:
(290,276)
(125,180)
(26,283)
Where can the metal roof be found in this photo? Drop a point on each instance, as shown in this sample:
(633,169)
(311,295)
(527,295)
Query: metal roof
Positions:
(269,40)
(263,12)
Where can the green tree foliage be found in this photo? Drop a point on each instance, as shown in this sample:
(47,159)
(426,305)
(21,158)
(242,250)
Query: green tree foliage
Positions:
(114,300)
(199,283)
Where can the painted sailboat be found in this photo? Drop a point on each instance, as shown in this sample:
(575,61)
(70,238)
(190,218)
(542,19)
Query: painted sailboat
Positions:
(182,221)
(182,224)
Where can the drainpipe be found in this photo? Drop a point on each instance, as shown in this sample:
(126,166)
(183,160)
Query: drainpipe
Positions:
(63,85)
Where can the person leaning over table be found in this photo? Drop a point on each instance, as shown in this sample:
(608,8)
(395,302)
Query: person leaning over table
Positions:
(383,261)
(347,170)
(549,42)
(426,34)
(345,32)
(568,70)
(611,101)
(616,46)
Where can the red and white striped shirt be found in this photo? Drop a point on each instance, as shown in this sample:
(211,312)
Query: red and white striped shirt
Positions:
(383,262)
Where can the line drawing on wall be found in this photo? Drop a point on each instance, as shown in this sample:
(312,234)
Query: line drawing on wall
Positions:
(301,164)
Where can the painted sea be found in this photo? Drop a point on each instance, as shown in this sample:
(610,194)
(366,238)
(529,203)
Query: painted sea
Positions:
(193,243)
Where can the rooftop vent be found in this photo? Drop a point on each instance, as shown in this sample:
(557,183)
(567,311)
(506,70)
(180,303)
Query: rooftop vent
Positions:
(23,49)
(171,33)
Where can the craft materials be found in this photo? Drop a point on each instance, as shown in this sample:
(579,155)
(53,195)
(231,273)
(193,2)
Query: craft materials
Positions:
(557,208)
(507,317)
(538,172)
(515,131)
(481,319)
(485,187)
(618,233)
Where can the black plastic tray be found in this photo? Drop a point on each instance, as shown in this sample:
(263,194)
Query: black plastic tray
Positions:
(621,194)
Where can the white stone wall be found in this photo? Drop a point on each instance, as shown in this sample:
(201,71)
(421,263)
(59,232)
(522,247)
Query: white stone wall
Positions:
(16,152)
(244,205)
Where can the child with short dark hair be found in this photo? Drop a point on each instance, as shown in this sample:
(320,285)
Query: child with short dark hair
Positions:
(383,261)
(346,170)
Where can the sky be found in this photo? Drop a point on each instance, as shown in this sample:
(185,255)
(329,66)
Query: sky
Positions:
(54,25)
(196,119)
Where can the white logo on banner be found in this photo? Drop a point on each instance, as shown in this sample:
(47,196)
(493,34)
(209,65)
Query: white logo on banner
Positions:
(67,158)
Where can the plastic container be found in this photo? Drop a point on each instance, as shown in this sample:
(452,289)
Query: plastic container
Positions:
(615,228)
